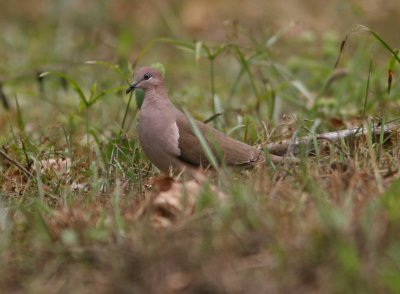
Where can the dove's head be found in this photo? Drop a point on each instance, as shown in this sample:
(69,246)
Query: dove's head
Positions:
(147,78)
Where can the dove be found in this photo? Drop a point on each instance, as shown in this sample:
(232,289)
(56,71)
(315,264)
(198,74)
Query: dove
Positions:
(168,140)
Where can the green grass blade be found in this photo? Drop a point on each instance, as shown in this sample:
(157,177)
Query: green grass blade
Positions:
(367,89)
(202,140)
(114,67)
(104,93)
(72,82)
(245,65)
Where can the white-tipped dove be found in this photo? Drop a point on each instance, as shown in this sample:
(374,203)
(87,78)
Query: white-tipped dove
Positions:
(167,138)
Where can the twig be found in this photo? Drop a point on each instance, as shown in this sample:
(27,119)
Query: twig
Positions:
(16,163)
(3,98)
(281,148)
(213,117)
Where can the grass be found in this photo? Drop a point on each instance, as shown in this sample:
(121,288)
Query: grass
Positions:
(329,224)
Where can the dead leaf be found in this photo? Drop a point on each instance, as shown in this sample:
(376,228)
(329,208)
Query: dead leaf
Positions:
(172,200)
(59,166)
(178,281)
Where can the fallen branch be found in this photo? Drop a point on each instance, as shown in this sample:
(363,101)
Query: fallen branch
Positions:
(16,163)
(282,147)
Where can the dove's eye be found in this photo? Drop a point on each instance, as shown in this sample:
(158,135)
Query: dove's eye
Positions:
(147,76)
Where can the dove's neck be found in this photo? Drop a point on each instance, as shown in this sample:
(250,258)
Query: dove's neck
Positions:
(157,98)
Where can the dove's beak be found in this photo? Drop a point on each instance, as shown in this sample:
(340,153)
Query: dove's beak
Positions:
(132,87)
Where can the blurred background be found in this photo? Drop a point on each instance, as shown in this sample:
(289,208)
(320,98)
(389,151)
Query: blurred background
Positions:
(304,36)
(112,29)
